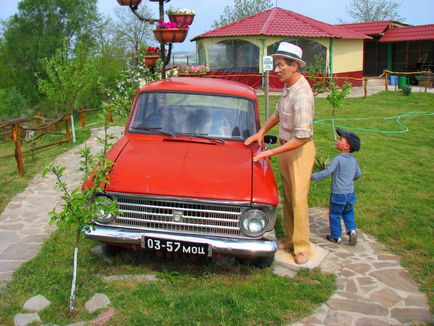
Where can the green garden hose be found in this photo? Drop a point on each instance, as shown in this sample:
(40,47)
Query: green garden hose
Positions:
(398,118)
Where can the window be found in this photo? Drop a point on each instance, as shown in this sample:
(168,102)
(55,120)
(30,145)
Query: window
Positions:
(234,56)
(310,49)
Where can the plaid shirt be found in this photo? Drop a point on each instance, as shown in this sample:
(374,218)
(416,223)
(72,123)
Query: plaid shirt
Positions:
(295,111)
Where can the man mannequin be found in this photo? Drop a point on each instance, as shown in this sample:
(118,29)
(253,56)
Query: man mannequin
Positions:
(294,113)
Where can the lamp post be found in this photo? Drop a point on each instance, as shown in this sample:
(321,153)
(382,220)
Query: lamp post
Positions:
(134,5)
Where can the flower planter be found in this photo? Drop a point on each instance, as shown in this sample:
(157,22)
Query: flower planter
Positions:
(187,74)
(129,2)
(173,35)
(181,18)
(150,60)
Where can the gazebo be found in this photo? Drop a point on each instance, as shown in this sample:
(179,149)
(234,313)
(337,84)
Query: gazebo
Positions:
(235,51)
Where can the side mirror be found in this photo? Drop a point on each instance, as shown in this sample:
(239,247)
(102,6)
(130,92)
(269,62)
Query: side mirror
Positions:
(269,139)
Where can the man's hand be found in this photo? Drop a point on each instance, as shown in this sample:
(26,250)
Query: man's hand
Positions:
(255,138)
(262,155)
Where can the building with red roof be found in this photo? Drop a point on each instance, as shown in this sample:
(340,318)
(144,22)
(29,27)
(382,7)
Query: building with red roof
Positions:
(237,49)
(396,46)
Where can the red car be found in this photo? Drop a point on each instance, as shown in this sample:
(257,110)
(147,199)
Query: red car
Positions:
(183,180)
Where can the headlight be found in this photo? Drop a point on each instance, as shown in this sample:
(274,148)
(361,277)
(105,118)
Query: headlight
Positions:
(105,209)
(253,222)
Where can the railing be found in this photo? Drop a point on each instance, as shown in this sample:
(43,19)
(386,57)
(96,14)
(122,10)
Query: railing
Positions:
(31,130)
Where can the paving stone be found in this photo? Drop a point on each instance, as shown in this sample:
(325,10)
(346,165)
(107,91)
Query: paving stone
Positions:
(337,318)
(10,266)
(396,278)
(36,303)
(418,300)
(284,259)
(351,286)
(387,256)
(384,265)
(97,302)
(347,273)
(357,306)
(365,321)
(26,319)
(8,236)
(407,315)
(365,280)
(284,272)
(132,278)
(360,268)
(386,296)
(21,251)
(103,317)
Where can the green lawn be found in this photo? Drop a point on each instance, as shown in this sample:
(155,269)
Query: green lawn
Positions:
(395,196)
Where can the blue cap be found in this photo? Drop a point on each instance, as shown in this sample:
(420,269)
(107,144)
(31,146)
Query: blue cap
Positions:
(352,139)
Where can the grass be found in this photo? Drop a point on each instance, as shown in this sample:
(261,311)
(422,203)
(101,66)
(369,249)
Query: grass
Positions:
(395,197)
(187,292)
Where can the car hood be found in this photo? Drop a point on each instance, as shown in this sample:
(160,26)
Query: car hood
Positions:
(183,167)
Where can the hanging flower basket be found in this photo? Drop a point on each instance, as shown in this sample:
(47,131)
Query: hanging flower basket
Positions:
(181,18)
(151,59)
(129,2)
(172,35)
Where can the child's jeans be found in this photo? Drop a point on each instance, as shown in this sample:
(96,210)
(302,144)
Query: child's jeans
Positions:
(341,205)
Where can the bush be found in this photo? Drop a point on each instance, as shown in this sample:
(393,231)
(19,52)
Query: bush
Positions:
(406,90)
(12,104)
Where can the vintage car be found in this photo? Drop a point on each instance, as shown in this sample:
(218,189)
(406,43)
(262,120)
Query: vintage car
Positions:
(183,180)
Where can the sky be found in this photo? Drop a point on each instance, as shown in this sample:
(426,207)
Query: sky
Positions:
(414,12)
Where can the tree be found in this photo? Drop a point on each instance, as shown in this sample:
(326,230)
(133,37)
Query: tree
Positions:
(132,32)
(38,29)
(241,9)
(374,10)
(70,80)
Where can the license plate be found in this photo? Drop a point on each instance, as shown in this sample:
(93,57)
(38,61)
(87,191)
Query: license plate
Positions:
(182,247)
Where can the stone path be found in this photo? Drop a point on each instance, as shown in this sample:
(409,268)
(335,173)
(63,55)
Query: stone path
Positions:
(372,287)
(24,222)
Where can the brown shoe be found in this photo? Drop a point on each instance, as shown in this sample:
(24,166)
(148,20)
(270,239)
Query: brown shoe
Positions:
(301,258)
(285,245)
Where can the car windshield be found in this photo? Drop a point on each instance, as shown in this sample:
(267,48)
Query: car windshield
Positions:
(194,114)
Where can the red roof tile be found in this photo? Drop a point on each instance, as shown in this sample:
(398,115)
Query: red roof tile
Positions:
(409,33)
(281,22)
(368,28)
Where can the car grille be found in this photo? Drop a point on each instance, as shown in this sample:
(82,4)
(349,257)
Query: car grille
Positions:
(179,216)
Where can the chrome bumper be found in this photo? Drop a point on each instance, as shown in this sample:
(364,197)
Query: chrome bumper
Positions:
(244,247)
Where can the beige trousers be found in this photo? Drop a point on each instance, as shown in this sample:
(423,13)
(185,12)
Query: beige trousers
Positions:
(296,169)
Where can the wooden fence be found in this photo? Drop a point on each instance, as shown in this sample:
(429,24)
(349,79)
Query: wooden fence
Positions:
(30,130)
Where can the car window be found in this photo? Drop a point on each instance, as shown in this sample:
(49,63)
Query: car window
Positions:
(188,113)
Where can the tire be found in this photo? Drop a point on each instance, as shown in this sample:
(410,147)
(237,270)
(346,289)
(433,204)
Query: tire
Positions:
(110,250)
(261,262)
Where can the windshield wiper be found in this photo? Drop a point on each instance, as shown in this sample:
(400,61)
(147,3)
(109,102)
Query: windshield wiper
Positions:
(158,129)
(202,136)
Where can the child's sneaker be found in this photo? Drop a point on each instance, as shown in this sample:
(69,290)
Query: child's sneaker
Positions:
(352,237)
(331,239)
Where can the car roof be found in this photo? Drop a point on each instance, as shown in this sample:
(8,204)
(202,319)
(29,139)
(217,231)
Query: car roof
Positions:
(201,85)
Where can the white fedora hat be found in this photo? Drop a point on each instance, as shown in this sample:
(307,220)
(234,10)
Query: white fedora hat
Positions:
(290,51)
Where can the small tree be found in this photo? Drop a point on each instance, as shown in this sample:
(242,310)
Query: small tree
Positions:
(336,99)
(317,71)
(83,204)
(69,79)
